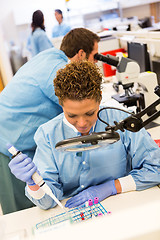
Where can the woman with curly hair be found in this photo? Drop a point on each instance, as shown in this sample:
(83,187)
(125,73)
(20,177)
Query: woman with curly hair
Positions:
(129,164)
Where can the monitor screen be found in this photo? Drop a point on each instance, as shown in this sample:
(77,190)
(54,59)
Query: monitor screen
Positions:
(139,53)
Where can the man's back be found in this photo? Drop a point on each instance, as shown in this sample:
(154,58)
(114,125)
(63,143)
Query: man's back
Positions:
(29,101)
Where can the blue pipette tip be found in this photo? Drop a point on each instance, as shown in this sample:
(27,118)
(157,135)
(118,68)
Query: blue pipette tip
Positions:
(8,145)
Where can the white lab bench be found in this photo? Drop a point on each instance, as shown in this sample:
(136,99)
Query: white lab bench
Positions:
(134,215)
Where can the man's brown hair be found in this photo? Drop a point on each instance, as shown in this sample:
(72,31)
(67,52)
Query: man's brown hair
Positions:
(76,39)
(78,81)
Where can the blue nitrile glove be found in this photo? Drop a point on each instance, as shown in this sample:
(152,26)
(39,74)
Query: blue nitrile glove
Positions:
(101,191)
(23,168)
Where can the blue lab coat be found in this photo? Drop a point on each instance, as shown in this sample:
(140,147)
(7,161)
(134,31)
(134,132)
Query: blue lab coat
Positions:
(29,101)
(39,41)
(68,173)
(60,30)
(26,102)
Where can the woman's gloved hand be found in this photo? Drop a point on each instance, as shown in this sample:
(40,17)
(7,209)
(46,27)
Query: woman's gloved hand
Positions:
(23,168)
(101,191)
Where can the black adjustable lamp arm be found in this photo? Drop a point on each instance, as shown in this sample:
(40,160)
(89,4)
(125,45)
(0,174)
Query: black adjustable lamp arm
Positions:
(134,122)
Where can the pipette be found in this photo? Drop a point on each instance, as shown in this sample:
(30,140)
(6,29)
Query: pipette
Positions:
(37,178)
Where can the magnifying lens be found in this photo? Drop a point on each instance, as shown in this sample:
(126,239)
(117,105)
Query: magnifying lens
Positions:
(88,142)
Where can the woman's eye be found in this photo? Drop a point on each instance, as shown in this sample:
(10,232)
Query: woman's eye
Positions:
(71,116)
(90,114)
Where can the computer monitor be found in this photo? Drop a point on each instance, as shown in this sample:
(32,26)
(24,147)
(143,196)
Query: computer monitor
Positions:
(156,68)
(139,53)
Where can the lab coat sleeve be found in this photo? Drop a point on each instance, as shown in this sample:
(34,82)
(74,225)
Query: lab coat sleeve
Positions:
(145,158)
(44,43)
(45,162)
(37,194)
(127,183)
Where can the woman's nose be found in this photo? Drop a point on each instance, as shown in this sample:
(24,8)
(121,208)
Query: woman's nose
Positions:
(81,122)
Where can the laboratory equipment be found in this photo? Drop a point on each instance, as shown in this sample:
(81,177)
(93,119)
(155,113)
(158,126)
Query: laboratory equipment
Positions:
(132,123)
(82,143)
(109,59)
(37,178)
(77,215)
(127,74)
(138,52)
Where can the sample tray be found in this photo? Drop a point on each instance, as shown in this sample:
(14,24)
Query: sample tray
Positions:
(75,215)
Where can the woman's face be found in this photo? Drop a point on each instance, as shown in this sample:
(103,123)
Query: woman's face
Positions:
(81,114)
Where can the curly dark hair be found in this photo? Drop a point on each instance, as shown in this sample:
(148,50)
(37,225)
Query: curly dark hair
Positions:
(78,81)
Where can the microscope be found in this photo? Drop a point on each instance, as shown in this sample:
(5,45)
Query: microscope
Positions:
(128,74)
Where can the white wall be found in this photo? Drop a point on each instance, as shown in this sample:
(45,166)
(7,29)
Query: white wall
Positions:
(140,11)
(5,67)
(23,10)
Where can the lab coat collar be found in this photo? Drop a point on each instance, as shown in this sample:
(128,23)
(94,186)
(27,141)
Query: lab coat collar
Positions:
(72,127)
(69,125)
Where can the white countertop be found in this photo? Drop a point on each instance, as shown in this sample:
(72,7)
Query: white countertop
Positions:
(135,215)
